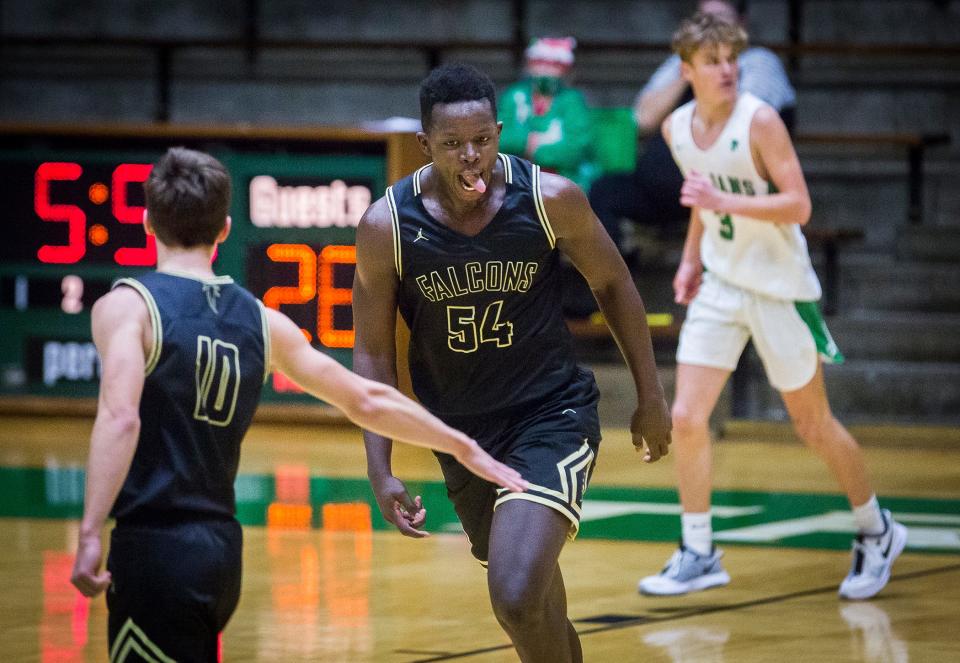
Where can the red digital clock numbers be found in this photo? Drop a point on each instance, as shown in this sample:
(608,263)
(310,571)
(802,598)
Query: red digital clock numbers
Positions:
(76,219)
(123,175)
(72,215)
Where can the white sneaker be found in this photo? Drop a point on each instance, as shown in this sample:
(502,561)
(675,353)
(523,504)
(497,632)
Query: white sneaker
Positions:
(873,557)
(686,571)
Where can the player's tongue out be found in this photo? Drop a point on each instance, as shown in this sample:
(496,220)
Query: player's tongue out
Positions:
(473,182)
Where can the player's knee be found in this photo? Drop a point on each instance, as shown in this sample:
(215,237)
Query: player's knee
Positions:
(687,420)
(517,615)
(516,605)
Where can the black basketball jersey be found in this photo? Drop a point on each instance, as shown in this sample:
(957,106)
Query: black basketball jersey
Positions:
(204,376)
(487,329)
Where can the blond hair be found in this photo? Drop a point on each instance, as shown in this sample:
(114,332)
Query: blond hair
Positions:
(707,30)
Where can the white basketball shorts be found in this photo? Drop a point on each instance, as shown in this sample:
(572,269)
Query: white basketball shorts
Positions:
(788,335)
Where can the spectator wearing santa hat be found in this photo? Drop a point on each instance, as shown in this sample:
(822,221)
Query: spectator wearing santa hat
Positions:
(545,120)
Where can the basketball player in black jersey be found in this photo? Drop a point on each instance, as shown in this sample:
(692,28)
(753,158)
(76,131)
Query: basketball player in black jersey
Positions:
(467,248)
(184,355)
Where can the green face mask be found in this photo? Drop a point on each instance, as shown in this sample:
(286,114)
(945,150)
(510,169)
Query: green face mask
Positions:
(546,85)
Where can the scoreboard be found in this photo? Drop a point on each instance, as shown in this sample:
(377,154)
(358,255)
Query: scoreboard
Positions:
(72,223)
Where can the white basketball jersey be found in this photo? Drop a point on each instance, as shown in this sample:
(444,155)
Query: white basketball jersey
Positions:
(762,256)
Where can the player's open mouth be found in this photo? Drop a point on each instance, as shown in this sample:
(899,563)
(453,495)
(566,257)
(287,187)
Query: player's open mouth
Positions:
(472,182)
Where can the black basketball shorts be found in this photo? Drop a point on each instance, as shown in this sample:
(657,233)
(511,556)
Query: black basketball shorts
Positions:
(553,444)
(174,587)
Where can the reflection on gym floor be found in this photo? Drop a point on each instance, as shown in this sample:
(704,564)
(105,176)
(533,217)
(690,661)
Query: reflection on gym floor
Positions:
(325,580)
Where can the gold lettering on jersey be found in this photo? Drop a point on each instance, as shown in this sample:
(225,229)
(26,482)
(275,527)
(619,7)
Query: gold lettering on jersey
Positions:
(511,277)
(441,289)
(210,353)
(455,282)
(474,276)
(492,276)
(425,288)
(530,269)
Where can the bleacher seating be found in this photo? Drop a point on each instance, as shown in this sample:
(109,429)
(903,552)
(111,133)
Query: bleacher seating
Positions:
(868,75)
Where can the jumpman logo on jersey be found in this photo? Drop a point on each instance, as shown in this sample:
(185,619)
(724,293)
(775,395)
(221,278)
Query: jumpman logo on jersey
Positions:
(419,236)
(733,145)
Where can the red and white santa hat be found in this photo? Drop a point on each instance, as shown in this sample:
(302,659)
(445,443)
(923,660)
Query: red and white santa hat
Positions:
(552,50)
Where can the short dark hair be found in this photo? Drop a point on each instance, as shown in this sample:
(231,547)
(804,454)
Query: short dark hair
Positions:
(188,198)
(454,82)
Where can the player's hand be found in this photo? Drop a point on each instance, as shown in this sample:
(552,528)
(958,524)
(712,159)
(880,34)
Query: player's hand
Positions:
(687,282)
(87,576)
(483,465)
(407,515)
(698,191)
(651,426)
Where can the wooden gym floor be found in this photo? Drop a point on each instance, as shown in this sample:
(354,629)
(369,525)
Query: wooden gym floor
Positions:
(361,594)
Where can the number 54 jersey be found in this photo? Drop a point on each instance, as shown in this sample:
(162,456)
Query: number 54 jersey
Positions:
(487,332)
(204,375)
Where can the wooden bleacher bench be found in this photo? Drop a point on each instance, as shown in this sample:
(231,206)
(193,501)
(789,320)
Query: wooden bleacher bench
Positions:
(915,144)
(830,240)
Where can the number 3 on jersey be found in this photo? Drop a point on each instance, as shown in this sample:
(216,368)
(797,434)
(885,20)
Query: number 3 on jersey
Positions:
(726,227)
(462,333)
(218,363)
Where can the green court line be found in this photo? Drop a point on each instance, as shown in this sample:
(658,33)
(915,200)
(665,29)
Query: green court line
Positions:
(621,513)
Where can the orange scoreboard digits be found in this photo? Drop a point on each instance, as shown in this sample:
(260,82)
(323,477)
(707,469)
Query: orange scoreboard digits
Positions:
(331,295)
(324,280)
(305,289)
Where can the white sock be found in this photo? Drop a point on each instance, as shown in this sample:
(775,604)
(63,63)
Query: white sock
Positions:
(697,532)
(868,517)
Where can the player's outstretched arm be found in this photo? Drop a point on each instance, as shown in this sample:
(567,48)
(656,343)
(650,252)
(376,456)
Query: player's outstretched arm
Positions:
(375,406)
(584,240)
(121,332)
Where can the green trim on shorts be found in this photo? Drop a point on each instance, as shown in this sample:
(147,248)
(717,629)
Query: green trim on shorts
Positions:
(813,318)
